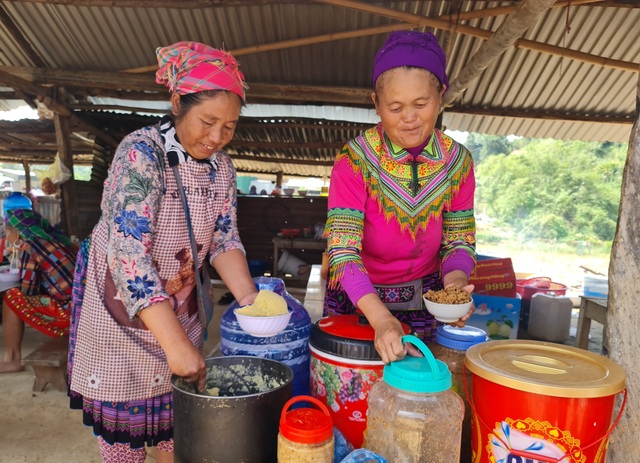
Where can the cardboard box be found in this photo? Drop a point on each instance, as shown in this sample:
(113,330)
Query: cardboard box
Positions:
(498,316)
(494,277)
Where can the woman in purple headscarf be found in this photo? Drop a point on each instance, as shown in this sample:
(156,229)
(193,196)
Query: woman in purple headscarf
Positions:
(400,218)
(136,319)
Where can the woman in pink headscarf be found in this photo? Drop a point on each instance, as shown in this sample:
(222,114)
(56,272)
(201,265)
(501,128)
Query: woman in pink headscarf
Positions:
(136,319)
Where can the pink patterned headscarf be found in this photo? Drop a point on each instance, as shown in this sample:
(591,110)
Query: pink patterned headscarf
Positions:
(190,67)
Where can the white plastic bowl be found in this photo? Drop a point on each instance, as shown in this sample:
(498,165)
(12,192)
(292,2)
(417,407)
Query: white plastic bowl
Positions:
(447,313)
(263,327)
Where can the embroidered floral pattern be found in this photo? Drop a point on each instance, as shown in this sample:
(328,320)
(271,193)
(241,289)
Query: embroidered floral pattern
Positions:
(93,382)
(132,225)
(146,149)
(344,232)
(389,179)
(458,231)
(140,287)
(223,224)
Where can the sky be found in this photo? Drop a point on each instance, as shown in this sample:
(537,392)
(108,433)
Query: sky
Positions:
(23,112)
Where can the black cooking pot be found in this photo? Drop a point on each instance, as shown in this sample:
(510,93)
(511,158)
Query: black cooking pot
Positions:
(239,424)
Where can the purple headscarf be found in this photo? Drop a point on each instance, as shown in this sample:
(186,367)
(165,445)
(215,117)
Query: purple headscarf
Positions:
(411,48)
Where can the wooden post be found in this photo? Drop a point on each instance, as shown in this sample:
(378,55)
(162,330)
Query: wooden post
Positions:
(68,209)
(279,179)
(623,317)
(27,176)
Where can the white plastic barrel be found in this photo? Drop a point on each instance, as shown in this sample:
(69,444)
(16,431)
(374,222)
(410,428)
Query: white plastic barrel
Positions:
(550,317)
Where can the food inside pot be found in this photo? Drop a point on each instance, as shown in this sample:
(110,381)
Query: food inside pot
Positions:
(236,380)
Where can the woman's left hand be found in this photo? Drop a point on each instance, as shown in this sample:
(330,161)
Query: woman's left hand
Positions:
(459,279)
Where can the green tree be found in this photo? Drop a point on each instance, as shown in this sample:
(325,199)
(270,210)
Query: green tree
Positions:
(554,189)
(483,146)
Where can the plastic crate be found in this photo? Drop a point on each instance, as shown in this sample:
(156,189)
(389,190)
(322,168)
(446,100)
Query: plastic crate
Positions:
(530,286)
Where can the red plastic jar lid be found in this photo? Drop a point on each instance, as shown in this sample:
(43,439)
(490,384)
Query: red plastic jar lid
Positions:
(347,336)
(306,425)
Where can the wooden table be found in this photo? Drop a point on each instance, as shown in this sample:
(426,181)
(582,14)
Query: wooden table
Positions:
(294,243)
(591,308)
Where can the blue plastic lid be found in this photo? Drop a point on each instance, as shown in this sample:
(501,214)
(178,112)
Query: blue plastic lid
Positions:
(16,200)
(459,338)
(418,374)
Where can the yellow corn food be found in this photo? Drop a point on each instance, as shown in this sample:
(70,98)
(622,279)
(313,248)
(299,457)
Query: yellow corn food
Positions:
(267,304)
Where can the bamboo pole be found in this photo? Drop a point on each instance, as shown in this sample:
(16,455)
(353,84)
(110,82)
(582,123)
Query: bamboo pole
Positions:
(524,17)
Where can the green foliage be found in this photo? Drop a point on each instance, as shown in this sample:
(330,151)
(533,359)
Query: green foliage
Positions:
(483,146)
(82,173)
(551,189)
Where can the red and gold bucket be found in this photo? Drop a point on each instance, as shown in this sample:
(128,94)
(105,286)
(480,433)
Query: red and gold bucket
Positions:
(539,402)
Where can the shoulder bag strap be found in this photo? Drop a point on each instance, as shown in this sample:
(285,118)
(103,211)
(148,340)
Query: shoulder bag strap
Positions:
(204,312)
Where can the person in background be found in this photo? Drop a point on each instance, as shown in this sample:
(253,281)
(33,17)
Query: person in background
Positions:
(136,313)
(45,260)
(400,210)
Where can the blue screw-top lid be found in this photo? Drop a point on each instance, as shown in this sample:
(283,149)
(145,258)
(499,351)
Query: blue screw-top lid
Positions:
(418,374)
(459,338)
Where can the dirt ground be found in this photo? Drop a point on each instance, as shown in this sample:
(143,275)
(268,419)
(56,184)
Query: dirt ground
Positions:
(39,427)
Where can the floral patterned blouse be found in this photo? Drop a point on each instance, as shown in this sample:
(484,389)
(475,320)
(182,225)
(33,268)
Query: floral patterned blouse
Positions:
(141,255)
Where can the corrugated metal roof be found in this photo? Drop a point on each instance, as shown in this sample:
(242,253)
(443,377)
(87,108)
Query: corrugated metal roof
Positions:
(525,92)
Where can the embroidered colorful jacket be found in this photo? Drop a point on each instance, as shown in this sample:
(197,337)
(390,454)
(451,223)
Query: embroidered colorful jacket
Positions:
(396,218)
(46,268)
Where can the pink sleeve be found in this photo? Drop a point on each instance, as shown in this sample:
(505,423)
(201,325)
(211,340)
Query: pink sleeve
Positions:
(356,283)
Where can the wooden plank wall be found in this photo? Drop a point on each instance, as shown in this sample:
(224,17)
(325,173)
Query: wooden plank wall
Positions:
(88,204)
(260,218)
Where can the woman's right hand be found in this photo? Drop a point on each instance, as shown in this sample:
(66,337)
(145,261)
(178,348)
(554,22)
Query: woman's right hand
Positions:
(187,362)
(388,338)
(183,358)
(388,329)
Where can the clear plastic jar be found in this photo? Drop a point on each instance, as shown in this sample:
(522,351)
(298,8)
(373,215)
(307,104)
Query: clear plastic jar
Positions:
(414,416)
(306,434)
(450,346)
